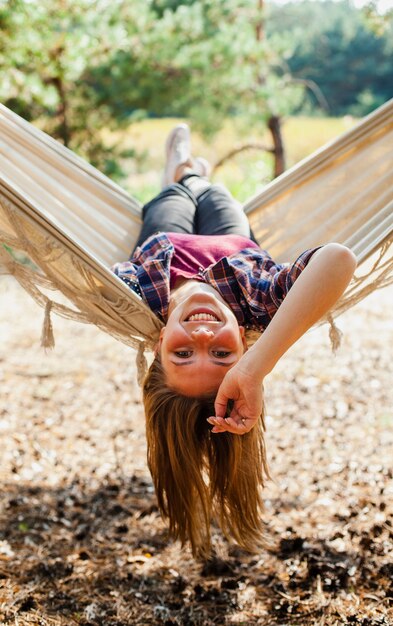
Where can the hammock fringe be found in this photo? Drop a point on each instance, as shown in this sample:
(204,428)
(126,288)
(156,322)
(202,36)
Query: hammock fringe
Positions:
(47,336)
(335,334)
(63,224)
(141,363)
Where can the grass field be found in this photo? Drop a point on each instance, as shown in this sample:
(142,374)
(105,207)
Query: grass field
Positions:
(245,174)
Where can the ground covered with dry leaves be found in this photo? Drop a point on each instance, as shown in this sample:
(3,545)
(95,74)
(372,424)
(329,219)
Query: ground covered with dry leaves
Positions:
(81,541)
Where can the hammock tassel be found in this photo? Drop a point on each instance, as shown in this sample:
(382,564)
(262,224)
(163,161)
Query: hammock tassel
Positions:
(141,364)
(47,336)
(335,334)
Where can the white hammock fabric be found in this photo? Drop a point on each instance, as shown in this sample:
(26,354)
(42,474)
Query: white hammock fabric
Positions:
(74,223)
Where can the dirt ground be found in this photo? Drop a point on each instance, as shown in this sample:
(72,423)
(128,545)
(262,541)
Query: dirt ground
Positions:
(81,541)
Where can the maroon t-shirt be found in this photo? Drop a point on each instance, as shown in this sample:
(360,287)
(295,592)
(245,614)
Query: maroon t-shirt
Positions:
(196,252)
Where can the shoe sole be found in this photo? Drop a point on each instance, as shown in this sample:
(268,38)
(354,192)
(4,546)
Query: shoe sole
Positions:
(172,135)
(169,146)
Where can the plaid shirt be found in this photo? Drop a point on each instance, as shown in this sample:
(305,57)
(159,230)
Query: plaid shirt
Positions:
(249,281)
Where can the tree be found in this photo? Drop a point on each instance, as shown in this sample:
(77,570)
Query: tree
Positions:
(206,61)
(79,66)
(339,52)
(47,49)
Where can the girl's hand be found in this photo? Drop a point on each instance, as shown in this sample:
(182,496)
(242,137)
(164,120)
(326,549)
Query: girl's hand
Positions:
(246,392)
(312,295)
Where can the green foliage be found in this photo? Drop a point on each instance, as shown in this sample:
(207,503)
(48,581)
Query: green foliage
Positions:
(160,6)
(80,68)
(200,60)
(339,51)
(380,22)
(48,50)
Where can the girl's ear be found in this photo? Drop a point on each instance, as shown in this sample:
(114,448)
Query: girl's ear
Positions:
(243,337)
(157,347)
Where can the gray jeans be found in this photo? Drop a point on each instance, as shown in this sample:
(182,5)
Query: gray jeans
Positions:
(196,207)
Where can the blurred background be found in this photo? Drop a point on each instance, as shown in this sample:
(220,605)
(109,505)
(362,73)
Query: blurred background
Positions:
(262,84)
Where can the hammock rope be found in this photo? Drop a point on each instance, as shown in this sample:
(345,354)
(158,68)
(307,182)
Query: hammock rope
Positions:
(71,223)
(42,275)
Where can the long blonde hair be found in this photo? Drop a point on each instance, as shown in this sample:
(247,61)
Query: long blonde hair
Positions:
(199,476)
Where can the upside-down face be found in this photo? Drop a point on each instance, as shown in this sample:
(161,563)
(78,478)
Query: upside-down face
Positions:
(201,341)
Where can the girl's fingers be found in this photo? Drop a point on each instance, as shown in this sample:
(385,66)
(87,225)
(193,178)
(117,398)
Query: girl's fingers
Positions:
(219,421)
(220,406)
(239,424)
(230,425)
(219,425)
(224,427)
(233,431)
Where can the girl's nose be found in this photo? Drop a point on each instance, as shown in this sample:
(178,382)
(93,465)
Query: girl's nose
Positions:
(202,334)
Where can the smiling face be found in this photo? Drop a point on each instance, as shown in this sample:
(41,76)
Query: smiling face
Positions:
(200,343)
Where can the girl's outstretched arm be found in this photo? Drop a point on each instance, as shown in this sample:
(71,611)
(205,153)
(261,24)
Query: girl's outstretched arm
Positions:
(314,292)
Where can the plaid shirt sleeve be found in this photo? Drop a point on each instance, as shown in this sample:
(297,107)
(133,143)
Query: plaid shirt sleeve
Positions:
(285,274)
(127,273)
(264,283)
(147,273)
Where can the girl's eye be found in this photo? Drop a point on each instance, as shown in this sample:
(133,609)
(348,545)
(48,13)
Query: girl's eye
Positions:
(219,354)
(183,354)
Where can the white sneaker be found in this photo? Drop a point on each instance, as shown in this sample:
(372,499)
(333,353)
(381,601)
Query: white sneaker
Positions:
(178,152)
(202,167)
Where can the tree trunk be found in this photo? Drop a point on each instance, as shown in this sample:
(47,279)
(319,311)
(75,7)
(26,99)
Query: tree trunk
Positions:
(57,81)
(259,28)
(62,111)
(274,122)
(274,125)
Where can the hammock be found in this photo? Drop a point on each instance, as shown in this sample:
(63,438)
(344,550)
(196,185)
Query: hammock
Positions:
(73,223)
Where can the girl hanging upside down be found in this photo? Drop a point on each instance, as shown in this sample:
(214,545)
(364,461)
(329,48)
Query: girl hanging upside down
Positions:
(199,269)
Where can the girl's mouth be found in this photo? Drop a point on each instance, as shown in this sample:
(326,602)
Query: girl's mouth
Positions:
(202,314)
